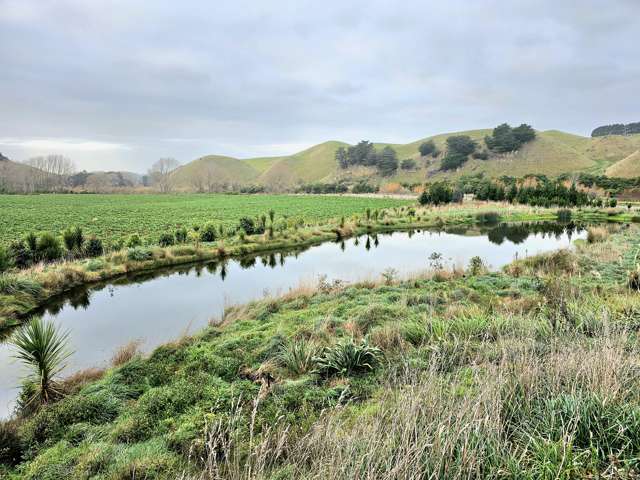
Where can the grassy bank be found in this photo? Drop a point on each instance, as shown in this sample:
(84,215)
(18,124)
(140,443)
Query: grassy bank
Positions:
(526,373)
(24,291)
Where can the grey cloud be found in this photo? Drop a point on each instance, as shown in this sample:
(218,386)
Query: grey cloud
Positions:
(250,78)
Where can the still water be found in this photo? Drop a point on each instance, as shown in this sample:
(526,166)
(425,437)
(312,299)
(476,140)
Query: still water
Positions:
(162,306)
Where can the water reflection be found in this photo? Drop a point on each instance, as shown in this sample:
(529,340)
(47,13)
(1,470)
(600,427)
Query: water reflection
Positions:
(80,298)
(158,306)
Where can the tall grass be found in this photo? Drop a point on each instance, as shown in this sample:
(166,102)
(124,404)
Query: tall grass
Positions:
(14,284)
(597,234)
(574,413)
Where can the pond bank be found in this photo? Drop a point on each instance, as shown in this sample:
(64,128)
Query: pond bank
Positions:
(28,290)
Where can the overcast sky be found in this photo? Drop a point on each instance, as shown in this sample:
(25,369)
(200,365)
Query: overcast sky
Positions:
(117,84)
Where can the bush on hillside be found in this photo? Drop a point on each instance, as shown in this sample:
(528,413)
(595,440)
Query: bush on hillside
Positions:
(427,148)
(408,164)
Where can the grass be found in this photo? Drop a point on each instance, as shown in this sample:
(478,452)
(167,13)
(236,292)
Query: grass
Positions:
(516,374)
(114,218)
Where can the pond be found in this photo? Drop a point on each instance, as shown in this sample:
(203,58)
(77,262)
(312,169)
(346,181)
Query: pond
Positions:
(159,307)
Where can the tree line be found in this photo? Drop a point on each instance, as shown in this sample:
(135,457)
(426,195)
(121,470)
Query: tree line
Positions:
(616,129)
(544,192)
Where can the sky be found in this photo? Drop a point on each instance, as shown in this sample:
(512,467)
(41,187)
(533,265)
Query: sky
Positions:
(115,85)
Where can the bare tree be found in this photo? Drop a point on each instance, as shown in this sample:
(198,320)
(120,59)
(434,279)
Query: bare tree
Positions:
(48,173)
(160,173)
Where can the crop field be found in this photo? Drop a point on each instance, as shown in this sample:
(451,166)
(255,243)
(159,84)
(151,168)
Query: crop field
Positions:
(113,217)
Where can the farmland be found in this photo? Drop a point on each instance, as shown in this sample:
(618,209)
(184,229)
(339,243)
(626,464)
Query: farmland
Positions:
(114,217)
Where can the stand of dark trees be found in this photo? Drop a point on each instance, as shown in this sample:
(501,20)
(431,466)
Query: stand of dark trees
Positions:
(505,139)
(546,193)
(617,129)
(365,153)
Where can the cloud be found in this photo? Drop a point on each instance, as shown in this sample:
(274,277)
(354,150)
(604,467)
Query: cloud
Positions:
(61,144)
(262,78)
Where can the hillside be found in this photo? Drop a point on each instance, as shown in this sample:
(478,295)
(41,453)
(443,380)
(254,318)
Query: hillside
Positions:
(17,177)
(628,167)
(551,153)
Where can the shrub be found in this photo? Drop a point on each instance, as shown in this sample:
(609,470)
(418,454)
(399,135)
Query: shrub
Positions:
(20,254)
(298,356)
(73,239)
(248,226)
(134,241)
(427,148)
(5,259)
(476,266)
(94,247)
(166,240)
(436,193)
(10,446)
(487,218)
(208,232)
(181,235)
(48,247)
(32,243)
(363,187)
(453,160)
(483,155)
(139,254)
(347,358)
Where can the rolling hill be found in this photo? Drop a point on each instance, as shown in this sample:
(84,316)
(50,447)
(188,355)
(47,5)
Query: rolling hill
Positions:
(628,167)
(551,153)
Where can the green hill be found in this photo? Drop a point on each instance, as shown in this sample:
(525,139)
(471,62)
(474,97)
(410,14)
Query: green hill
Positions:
(212,172)
(551,153)
(628,167)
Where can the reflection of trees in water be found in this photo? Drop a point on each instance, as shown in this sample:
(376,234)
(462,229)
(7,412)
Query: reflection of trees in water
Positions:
(81,299)
(223,271)
(247,262)
(518,233)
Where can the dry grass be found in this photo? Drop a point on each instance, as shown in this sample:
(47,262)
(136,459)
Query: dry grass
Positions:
(560,262)
(75,382)
(474,425)
(597,234)
(126,353)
